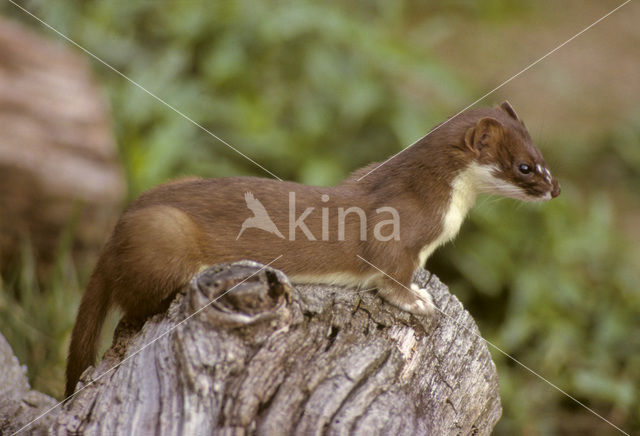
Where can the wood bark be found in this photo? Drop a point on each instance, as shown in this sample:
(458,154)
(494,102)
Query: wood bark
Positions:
(19,404)
(268,358)
(58,158)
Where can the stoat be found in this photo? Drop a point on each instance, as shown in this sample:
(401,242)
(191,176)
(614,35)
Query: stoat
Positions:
(389,220)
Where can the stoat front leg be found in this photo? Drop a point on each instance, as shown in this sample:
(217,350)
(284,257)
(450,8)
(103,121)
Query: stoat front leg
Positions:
(408,296)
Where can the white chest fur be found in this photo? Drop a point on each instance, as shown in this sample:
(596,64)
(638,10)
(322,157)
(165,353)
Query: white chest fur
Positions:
(464,191)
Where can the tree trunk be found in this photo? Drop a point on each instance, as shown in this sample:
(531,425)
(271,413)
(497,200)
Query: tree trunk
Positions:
(266,358)
(58,157)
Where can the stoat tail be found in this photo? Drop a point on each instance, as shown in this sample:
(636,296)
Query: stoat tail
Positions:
(84,338)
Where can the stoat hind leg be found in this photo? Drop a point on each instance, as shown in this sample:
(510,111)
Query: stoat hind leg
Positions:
(157,252)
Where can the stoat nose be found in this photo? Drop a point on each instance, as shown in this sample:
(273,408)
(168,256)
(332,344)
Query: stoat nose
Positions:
(556,189)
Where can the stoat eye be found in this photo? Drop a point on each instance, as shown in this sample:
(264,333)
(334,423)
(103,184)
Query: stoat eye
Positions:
(524,168)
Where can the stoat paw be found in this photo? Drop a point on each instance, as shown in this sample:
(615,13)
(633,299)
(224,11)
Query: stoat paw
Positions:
(424,304)
(417,307)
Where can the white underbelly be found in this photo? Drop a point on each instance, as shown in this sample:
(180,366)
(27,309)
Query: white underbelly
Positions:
(335,278)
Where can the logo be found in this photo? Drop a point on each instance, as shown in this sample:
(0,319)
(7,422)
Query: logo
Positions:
(381,229)
(260,219)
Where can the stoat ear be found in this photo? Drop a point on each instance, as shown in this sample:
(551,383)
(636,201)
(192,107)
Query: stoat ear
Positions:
(506,106)
(486,132)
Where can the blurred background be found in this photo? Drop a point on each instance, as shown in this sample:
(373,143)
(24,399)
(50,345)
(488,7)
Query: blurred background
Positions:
(312,91)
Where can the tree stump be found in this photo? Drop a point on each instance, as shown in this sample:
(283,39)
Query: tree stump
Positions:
(19,404)
(58,158)
(267,358)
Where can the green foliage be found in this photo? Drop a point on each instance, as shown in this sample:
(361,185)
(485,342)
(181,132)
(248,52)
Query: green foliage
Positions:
(37,322)
(307,89)
(313,90)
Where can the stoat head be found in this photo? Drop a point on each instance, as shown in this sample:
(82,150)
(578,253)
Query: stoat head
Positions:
(505,159)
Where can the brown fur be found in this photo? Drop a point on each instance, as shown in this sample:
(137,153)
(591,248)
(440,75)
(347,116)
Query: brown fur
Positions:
(170,232)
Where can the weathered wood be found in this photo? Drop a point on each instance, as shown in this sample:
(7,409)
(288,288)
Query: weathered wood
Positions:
(19,405)
(58,157)
(266,358)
